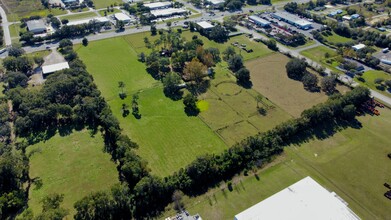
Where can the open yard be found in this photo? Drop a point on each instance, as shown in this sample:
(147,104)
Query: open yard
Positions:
(17,9)
(353,163)
(335,38)
(317,54)
(371,75)
(269,77)
(80,16)
(73,165)
(104,3)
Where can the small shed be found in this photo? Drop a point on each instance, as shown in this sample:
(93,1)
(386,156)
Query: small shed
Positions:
(36,26)
(358,47)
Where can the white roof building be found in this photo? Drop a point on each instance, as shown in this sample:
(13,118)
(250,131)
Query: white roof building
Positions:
(158,5)
(347,17)
(216,2)
(358,47)
(122,17)
(54,67)
(36,26)
(168,12)
(205,25)
(304,200)
(86,21)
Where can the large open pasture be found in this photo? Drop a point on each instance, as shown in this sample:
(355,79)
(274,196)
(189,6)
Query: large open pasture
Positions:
(168,138)
(73,165)
(353,163)
(17,9)
(269,77)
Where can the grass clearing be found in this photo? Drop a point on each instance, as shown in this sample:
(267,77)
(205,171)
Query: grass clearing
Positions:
(317,54)
(17,9)
(269,77)
(73,165)
(15,29)
(104,3)
(80,16)
(370,77)
(335,38)
(348,163)
(168,138)
(102,12)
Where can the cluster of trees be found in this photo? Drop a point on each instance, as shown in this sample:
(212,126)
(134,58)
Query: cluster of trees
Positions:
(382,84)
(234,5)
(293,40)
(297,69)
(235,64)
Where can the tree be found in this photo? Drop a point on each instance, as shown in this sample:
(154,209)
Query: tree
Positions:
(153,30)
(177,200)
(349,112)
(65,43)
(94,206)
(218,34)
(85,42)
(228,52)
(243,76)
(310,81)
(14,79)
(15,51)
(235,62)
(170,83)
(120,25)
(190,102)
(296,68)
(122,93)
(64,21)
(328,84)
(194,70)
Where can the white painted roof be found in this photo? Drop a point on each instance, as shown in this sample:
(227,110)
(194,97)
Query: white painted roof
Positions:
(167,11)
(158,5)
(304,200)
(205,24)
(358,46)
(54,67)
(302,22)
(121,17)
(86,21)
(216,2)
(259,20)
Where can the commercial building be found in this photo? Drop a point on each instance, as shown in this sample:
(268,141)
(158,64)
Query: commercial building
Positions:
(122,17)
(36,26)
(259,21)
(204,25)
(358,47)
(158,5)
(71,2)
(86,21)
(293,20)
(48,69)
(304,200)
(168,12)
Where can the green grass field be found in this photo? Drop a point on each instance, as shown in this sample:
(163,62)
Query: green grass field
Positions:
(80,16)
(17,9)
(104,3)
(102,12)
(353,163)
(370,77)
(73,165)
(168,138)
(15,30)
(335,38)
(317,54)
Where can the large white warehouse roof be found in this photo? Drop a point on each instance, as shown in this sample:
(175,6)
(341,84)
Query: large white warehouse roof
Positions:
(304,200)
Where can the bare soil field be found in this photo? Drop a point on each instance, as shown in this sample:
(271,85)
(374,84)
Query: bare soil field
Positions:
(269,78)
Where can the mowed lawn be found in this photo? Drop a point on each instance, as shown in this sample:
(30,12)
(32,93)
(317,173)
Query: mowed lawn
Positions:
(317,54)
(370,77)
(104,3)
(335,38)
(73,165)
(168,139)
(353,163)
(79,16)
(269,77)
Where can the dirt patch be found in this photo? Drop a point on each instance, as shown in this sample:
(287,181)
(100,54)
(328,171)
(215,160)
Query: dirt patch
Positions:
(269,77)
(53,58)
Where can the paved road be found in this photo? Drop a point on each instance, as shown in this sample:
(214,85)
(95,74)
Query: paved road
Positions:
(5,24)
